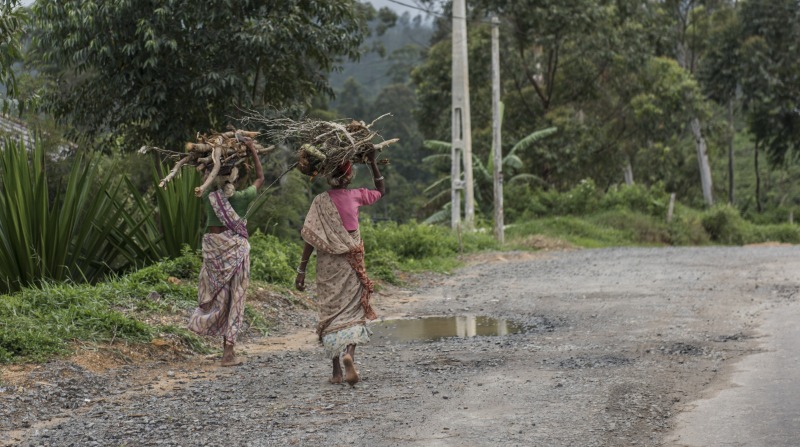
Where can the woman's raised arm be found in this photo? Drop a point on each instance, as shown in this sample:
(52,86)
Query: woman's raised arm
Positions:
(259,181)
(376,174)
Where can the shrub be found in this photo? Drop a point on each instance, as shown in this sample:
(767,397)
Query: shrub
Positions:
(642,228)
(724,225)
(520,202)
(582,199)
(687,230)
(382,264)
(416,241)
(389,245)
(274,261)
(653,201)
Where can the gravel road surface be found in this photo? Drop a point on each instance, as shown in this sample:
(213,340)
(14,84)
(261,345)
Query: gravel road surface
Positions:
(624,343)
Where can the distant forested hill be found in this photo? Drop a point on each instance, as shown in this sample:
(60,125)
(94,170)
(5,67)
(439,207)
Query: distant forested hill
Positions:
(374,72)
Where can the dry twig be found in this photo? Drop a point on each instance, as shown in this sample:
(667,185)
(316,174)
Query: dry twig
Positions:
(323,145)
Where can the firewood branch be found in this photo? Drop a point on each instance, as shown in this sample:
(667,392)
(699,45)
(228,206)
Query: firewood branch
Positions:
(198,192)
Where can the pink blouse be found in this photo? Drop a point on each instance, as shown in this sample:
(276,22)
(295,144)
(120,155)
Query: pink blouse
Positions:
(347,202)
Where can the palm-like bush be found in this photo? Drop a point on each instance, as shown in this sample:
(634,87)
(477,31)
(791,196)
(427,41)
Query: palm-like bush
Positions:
(83,234)
(178,220)
(483,175)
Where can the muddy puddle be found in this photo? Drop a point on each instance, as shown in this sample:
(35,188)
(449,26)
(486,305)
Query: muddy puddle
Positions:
(433,329)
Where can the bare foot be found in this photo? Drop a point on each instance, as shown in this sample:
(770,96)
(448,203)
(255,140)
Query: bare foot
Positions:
(350,373)
(229,357)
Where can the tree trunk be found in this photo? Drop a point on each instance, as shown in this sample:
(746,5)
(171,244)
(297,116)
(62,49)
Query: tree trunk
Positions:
(731,194)
(702,160)
(758,182)
(628,171)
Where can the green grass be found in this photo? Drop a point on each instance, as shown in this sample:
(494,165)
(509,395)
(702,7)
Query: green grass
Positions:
(256,320)
(720,225)
(415,247)
(575,230)
(40,322)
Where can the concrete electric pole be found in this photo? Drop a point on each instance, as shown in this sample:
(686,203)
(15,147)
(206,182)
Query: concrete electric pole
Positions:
(497,121)
(462,136)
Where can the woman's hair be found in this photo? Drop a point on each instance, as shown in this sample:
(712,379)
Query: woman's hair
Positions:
(339,178)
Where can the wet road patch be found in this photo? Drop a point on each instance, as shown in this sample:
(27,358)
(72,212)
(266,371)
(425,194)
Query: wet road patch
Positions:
(434,329)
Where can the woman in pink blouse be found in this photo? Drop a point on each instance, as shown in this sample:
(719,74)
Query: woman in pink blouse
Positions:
(343,288)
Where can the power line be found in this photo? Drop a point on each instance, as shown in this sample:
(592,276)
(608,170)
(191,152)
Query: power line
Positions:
(456,17)
(422,9)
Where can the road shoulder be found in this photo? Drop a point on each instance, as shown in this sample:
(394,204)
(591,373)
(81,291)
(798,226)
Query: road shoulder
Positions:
(759,404)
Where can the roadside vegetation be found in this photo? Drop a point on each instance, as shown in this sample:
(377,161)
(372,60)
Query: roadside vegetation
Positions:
(633,215)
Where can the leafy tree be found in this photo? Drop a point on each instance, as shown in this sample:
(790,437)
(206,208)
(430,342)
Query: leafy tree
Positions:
(770,32)
(159,71)
(593,75)
(692,22)
(12,22)
(756,53)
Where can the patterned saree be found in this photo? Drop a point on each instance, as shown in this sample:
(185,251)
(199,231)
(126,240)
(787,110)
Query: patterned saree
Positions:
(224,276)
(343,288)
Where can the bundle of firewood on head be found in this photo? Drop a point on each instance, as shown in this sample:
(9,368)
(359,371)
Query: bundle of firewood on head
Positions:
(325,145)
(224,153)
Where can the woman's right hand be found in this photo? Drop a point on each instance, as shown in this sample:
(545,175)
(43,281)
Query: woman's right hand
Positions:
(300,282)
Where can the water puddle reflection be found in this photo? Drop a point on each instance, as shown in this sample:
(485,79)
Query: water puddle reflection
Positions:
(433,329)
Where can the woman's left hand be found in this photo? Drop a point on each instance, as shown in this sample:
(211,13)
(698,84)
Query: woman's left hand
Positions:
(300,282)
(249,143)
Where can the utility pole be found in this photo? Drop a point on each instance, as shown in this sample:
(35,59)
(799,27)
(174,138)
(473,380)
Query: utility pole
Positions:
(461,135)
(731,193)
(496,136)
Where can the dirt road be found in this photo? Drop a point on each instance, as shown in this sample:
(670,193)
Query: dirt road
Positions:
(622,341)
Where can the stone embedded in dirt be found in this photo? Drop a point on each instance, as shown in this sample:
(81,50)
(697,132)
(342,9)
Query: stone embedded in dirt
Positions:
(596,362)
(170,373)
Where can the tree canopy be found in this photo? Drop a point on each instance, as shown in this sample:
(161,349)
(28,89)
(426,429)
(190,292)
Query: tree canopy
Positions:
(160,71)
(757,54)
(12,22)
